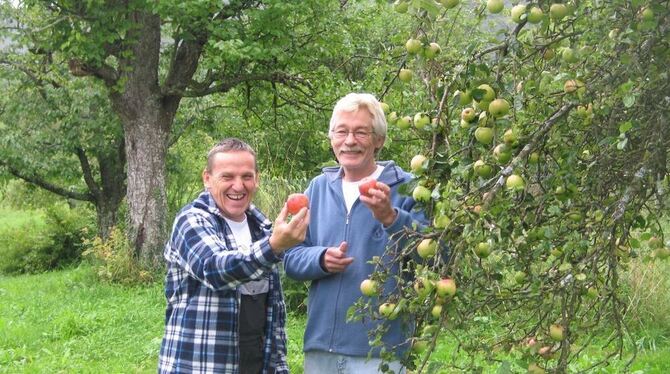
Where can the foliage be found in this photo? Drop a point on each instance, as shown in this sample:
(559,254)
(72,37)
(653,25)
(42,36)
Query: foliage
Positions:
(37,241)
(573,185)
(114,261)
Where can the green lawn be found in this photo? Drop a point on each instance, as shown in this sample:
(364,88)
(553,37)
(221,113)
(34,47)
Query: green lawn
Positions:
(66,321)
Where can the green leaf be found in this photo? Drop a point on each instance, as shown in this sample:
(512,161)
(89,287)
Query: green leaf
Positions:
(628,101)
(625,126)
(429,6)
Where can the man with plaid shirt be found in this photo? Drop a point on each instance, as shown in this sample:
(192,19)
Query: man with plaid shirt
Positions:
(225,311)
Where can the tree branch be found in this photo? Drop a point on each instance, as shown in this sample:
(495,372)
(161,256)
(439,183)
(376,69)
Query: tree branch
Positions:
(40,182)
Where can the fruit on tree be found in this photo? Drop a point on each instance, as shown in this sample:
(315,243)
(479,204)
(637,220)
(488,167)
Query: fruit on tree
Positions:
(418,346)
(569,55)
(655,242)
(369,287)
(445,287)
(647,14)
(499,107)
(482,169)
(448,4)
(495,6)
(468,114)
(365,186)
(556,332)
(572,85)
(421,120)
(484,135)
(464,97)
(518,11)
(502,153)
(509,137)
(427,248)
(483,249)
(416,165)
(295,202)
(421,193)
(534,158)
(432,50)
(405,75)
(413,46)
(401,6)
(515,182)
(535,15)
(436,311)
(558,11)
(388,310)
(535,369)
(404,123)
(385,107)
(520,277)
(441,221)
(489,94)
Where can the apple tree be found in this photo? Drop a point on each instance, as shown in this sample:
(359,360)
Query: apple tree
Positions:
(544,170)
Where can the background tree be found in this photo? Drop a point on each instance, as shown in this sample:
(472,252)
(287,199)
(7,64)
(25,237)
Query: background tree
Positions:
(60,135)
(150,56)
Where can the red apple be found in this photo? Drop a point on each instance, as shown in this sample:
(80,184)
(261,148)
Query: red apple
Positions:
(366,185)
(295,202)
(446,287)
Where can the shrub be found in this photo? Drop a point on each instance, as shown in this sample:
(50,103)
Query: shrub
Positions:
(37,241)
(114,260)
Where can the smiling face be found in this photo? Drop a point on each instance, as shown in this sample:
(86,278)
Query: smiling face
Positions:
(232,182)
(355,155)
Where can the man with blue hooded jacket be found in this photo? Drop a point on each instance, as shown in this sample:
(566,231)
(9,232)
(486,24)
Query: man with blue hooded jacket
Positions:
(346,230)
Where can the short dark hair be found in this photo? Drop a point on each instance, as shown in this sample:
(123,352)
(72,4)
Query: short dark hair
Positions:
(229,145)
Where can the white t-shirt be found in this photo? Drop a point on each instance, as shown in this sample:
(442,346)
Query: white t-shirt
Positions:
(242,236)
(350,189)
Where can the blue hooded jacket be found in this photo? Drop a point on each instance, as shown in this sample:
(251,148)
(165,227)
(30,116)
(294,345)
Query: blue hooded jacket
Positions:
(331,295)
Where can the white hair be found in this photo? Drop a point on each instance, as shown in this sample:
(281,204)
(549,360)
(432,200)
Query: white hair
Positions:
(355,101)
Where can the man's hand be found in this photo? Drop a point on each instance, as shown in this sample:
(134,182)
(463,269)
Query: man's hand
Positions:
(335,260)
(287,234)
(379,202)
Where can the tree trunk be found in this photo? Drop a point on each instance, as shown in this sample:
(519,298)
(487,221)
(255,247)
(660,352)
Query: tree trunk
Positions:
(146,124)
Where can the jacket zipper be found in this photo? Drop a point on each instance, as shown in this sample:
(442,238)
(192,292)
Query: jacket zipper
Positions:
(339,288)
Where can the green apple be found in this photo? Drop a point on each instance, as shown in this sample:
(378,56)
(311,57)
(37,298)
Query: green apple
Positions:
(404,122)
(490,94)
(515,182)
(405,75)
(388,310)
(518,11)
(369,287)
(655,242)
(534,158)
(427,248)
(445,287)
(502,153)
(509,137)
(548,54)
(647,14)
(468,114)
(484,135)
(535,15)
(385,107)
(448,4)
(498,107)
(423,287)
(573,85)
(419,346)
(436,312)
(558,11)
(483,249)
(495,6)
(482,169)
(413,46)
(392,118)
(432,50)
(421,120)
(556,332)
(519,277)
(416,165)
(569,55)
(464,97)
(401,6)
(535,369)
(421,193)
(441,221)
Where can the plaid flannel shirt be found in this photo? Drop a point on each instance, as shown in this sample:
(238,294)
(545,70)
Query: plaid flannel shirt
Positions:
(204,270)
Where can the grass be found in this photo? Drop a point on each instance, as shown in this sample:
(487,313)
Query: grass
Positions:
(66,321)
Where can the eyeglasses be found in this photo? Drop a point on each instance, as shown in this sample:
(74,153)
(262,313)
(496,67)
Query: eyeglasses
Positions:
(358,134)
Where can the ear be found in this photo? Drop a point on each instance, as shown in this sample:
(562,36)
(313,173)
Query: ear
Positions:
(206,178)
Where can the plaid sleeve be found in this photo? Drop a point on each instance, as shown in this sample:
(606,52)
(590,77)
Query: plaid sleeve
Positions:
(198,247)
